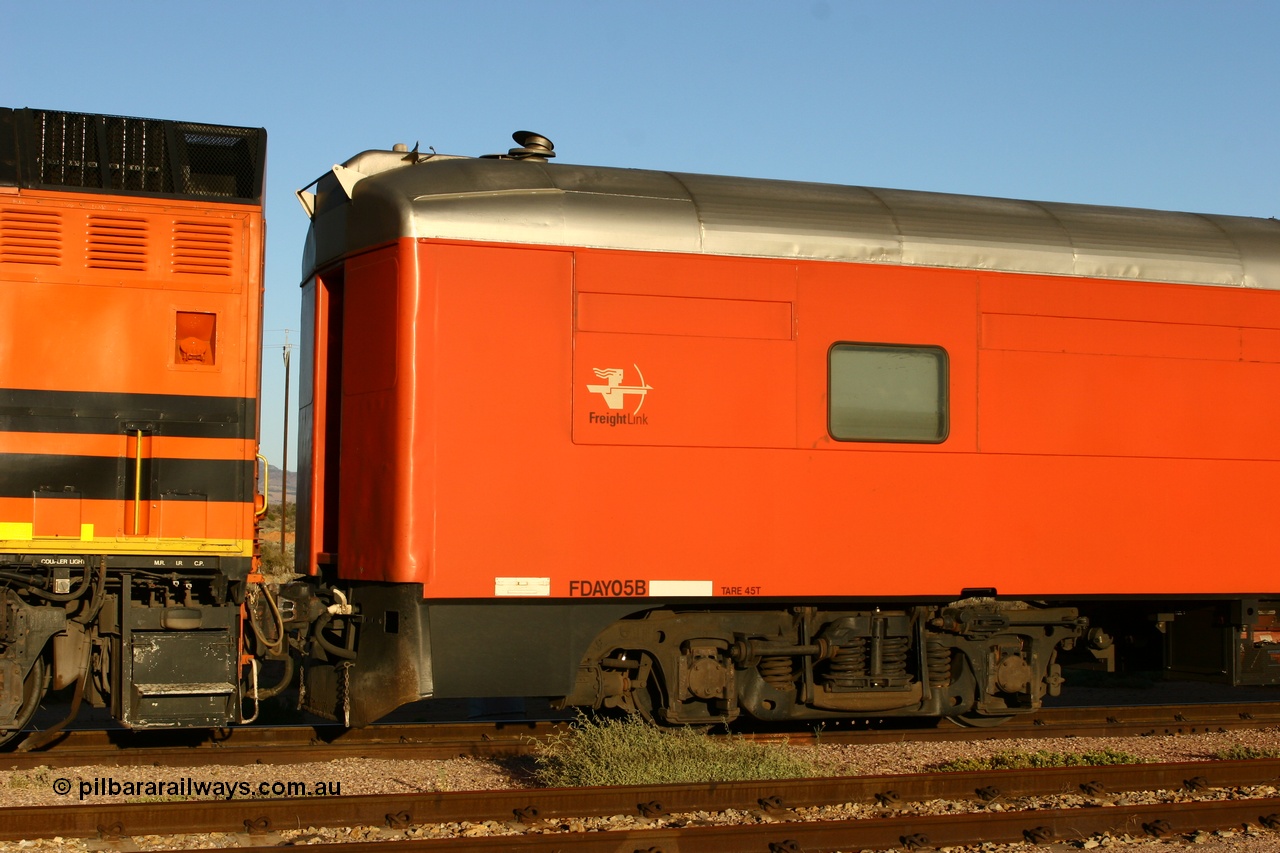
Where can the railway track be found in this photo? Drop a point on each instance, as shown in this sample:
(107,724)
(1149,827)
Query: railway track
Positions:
(270,745)
(788,815)
(766,816)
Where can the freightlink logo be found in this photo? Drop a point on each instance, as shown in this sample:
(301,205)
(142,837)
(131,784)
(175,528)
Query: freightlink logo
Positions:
(615,394)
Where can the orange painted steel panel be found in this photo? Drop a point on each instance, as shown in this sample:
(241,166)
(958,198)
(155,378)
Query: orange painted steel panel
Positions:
(1260,345)
(1091,405)
(1118,300)
(371,325)
(56,515)
(373,421)
(221,521)
(690,276)
(477,402)
(158,298)
(314,427)
(683,391)
(1110,337)
(182,517)
(676,350)
(1088,454)
(889,305)
(198,246)
(320,415)
(123,340)
(683,315)
(500,399)
(119,279)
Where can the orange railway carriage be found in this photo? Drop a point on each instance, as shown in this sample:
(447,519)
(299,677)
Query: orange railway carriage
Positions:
(702,446)
(130,312)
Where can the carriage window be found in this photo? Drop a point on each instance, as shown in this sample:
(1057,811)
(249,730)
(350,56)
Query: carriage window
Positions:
(880,392)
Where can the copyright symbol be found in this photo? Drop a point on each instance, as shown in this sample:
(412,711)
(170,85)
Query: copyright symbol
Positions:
(62,787)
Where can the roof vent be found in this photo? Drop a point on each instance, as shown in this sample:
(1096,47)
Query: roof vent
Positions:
(532,146)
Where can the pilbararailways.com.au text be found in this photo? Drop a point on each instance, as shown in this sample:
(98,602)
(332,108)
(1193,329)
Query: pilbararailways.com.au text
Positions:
(194,788)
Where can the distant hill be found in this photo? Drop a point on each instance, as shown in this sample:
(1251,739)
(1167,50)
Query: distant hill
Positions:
(275,478)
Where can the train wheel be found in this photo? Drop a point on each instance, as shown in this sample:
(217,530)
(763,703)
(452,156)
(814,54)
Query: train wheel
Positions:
(33,688)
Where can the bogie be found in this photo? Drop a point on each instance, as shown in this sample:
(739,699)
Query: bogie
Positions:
(986,659)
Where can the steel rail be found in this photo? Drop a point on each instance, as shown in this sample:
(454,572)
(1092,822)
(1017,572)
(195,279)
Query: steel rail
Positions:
(769,797)
(911,832)
(280,745)
(267,745)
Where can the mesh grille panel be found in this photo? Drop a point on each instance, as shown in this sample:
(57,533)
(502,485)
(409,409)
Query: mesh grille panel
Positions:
(138,158)
(132,155)
(217,162)
(68,146)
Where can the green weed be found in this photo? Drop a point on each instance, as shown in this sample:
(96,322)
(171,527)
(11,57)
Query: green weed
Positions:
(630,751)
(1239,752)
(1013,760)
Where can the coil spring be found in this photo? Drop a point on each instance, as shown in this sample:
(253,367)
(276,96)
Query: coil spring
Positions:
(938,659)
(849,663)
(893,656)
(777,673)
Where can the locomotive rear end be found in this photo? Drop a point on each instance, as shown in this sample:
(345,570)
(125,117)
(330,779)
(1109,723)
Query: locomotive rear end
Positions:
(130,312)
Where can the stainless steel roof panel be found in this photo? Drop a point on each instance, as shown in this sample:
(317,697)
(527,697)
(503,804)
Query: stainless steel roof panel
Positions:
(553,217)
(1256,243)
(1113,242)
(978,233)
(651,224)
(780,219)
(554,204)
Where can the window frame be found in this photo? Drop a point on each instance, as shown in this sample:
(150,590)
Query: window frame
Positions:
(944,390)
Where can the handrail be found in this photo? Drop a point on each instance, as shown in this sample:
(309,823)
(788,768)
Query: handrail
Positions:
(137,483)
(266,486)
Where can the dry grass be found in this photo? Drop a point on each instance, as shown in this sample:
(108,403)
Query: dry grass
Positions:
(630,751)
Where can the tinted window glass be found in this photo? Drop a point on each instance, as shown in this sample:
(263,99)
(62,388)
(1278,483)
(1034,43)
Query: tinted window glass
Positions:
(888,393)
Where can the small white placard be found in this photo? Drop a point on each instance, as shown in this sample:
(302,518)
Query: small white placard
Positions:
(678,588)
(522,586)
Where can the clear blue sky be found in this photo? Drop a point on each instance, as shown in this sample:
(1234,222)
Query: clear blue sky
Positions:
(1146,103)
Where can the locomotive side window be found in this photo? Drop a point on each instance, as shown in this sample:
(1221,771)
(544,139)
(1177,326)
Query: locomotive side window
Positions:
(881,392)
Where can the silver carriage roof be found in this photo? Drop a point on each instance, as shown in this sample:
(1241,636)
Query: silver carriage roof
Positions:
(534,202)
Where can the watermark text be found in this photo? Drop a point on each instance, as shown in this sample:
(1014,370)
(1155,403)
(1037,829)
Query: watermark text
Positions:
(196,789)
